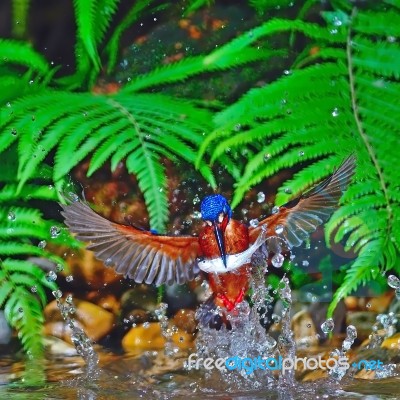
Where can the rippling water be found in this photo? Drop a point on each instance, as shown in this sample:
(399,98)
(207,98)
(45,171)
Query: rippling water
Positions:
(97,374)
(152,376)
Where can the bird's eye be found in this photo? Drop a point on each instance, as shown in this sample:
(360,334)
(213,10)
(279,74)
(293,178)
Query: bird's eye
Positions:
(208,222)
(220,218)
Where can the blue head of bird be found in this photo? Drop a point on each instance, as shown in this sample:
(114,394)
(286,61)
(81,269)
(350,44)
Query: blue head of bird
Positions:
(216,212)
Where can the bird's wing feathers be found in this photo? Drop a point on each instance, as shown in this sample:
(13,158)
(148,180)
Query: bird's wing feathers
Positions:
(297,219)
(139,255)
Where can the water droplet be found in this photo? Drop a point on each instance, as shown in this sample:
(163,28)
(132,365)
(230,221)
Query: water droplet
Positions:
(393,282)
(42,244)
(57,294)
(73,197)
(279,229)
(59,267)
(288,190)
(8,104)
(238,127)
(305,263)
(287,72)
(33,289)
(333,31)
(51,276)
(196,215)
(308,325)
(55,231)
(69,299)
(301,153)
(391,39)
(31,82)
(351,332)
(337,21)
(275,210)
(14,132)
(254,223)
(33,118)
(267,157)
(21,310)
(108,262)
(11,216)
(69,278)
(335,112)
(328,326)
(260,197)
(146,325)
(196,199)
(277,260)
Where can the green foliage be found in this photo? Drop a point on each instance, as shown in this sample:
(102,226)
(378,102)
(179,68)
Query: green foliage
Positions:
(23,284)
(138,128)
(340,96)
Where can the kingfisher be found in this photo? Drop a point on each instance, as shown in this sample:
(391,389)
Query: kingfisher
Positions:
(222,250)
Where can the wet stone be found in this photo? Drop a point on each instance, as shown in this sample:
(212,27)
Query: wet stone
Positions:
(305,333)
(95,321)
(185,320)
(150,337)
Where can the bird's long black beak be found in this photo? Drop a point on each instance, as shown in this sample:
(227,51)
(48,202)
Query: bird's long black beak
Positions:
(220,240)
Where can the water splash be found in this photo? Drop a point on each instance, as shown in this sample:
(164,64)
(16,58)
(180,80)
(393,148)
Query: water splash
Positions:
(339,371)
(286,343)
(81,341)
(385,325)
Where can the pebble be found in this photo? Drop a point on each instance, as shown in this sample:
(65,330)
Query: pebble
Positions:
(392,343)
(95,321)
(185,319)
(305,333)
(142,338)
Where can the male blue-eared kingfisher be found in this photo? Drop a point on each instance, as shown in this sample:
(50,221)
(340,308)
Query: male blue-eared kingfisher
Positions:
(150,258)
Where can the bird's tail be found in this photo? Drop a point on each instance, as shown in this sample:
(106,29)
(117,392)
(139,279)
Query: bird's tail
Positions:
(212,316)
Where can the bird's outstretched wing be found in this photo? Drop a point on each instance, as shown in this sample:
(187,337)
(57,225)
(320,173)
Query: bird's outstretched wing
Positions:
(139,255)
(297,219)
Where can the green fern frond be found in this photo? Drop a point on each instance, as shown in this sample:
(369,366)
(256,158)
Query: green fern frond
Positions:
(112,47)
(363,270)
(143,128)
(233,54)
(21,53)
(22,283)
(85,13)
(330,106)
(195,5)
(105,10)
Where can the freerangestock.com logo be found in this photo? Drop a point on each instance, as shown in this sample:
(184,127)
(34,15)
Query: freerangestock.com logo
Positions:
(249,365)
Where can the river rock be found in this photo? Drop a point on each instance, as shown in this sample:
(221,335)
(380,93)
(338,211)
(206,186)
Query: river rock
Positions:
(94,320)
(148,336)
(392,343)
(380,304)
(363,321)
(88,272)
(305,333)
(107,301)
(185,320)
(143,297)
(5,330)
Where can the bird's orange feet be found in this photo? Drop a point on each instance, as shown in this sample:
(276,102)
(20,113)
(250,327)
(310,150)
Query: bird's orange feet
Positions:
(229,305)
